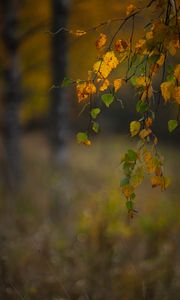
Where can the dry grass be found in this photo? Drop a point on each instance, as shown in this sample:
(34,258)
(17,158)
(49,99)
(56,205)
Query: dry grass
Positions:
(66,235)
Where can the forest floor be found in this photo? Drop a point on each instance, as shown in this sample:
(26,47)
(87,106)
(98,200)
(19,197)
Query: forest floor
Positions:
(66,235)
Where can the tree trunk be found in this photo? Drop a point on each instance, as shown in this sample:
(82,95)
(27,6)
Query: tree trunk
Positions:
(12,91)
(59,106)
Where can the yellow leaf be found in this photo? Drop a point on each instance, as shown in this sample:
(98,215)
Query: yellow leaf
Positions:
(154,69)
(87,142)
(130,9)
(150,162)
(149,35)
(117,84)
(102,69)
(140,47)
(137,177)
(101,41)
(160,61)
(144,133)
(135,127)
(110,59)
(172,47)
(177,72)
(90,88)
(127,190)
(176,94)
(78,32)
(84,90)
(105,85)
(167,88)
(81,94)
(142,81)
(148,92)
(161,181)
(156,181)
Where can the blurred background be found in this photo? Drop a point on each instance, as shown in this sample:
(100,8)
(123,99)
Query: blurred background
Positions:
(64,230)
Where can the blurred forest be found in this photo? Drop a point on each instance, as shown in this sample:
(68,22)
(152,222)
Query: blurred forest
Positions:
(64,230)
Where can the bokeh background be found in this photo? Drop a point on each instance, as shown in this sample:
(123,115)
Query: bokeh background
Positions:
(64,229)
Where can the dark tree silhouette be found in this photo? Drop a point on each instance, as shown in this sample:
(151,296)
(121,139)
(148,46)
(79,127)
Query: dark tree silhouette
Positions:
(59,107)
(12,90)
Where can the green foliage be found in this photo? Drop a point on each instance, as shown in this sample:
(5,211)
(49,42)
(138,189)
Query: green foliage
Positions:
(95,112)
(107,99)
(172,124)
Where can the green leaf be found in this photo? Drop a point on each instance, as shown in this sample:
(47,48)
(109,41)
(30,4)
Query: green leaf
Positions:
(107,99)
(133,81)
(135,127)
(152,59)
(170,77)
(95,112)
(129,205)
(66,82)
(133,195)
(170,69)
(124,181)
(132,156)
(95,127)
(126,169)
(82,137)
(141,106)
(172,124)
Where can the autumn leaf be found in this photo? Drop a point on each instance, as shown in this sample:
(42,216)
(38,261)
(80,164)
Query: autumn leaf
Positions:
(161,181)
(102,69)
(166,90)
(148,122)
(149,35)
(130,9)
(135,127)
(144,133)
(177,72)
(147,93)
(117,84)
(121,45)
(161,60)
(104,85)
(137,177)
(85,89)
(90,88)
(101,41)
(140,47)
(78,32)
(82,137)
(142,81)
(150,162)
(110,59)
(176,94)
(127,190)
(156,181)
(172,46)
(81,94)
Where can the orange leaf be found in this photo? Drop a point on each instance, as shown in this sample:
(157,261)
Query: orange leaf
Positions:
(117,84)
(101,41)
(130,9)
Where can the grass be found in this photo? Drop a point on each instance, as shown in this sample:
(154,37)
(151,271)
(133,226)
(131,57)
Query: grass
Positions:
(66,235)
